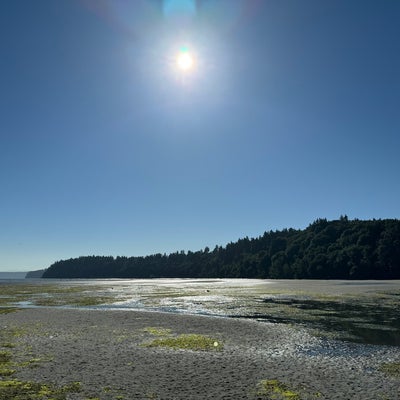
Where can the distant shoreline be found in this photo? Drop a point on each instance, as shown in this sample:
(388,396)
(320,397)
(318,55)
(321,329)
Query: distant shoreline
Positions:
(337,249)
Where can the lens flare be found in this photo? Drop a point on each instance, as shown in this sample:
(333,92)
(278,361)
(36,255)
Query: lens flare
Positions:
(179,7)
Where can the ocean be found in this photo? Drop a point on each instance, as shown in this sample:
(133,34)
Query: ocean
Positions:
(12,275)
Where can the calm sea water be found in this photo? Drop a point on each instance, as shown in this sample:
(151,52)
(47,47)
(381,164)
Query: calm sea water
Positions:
(12,275)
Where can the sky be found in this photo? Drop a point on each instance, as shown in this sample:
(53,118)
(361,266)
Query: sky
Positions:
(289,113)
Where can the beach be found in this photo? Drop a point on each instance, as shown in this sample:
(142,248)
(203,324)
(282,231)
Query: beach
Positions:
(109,353)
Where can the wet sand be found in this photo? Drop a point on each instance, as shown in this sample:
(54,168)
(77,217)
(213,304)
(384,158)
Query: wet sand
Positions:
(104,351)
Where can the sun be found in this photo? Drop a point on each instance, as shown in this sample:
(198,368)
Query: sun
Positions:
(185,61)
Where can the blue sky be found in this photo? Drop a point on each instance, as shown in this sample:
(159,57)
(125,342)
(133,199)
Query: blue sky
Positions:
(291,113)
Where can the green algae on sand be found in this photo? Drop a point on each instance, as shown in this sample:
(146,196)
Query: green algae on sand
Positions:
(391,369)
(187,342)
(26,390)
(274,389)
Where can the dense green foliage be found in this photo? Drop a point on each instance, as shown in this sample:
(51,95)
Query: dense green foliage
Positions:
(339,249)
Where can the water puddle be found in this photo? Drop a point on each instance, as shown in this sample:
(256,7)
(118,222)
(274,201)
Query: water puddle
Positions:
(363,322)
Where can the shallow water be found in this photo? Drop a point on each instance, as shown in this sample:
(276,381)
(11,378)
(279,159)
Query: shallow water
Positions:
(351,320)
(357,311)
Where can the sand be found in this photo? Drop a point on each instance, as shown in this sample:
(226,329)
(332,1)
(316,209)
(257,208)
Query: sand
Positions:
(104,350)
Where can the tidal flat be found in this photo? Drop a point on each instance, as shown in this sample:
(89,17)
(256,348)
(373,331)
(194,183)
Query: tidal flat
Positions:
(194,339)
(356,311)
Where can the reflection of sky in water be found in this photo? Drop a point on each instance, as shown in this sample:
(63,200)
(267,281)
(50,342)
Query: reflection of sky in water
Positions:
(193,296)
(212,305)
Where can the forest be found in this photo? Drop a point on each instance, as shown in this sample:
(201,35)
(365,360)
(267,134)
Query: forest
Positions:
(338,249)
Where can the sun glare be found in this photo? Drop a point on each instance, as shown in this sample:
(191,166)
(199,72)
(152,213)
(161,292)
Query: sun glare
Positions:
(185,61)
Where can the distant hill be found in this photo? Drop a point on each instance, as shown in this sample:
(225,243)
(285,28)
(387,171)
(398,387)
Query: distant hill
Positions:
(35,274)
(339,249)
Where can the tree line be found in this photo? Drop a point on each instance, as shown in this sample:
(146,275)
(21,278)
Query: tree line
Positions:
(338,249)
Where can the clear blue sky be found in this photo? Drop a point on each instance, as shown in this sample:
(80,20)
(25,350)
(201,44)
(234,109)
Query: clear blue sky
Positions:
(291,113)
